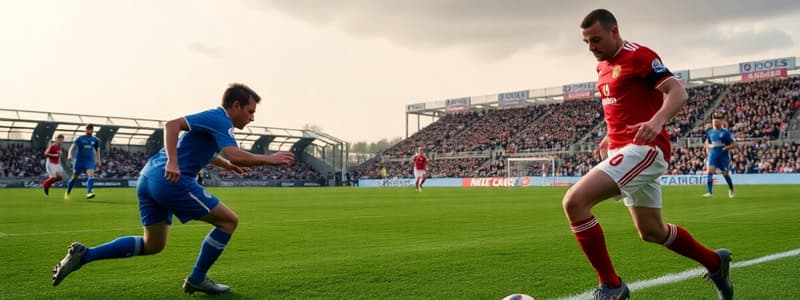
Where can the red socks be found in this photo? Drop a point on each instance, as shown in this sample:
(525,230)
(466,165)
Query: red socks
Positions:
(48,182)
(593,243)
(680,241)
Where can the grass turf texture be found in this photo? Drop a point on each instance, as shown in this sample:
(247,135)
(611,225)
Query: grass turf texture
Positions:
(395,243)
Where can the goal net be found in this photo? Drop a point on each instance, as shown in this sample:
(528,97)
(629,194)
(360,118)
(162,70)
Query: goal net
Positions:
(543,167)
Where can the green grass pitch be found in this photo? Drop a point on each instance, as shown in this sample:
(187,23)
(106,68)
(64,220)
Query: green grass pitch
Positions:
(395,243)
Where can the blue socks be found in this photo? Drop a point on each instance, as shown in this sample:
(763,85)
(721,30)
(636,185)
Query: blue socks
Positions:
(89,185)
(125,246)
(210,250)
(709,183)
(70,184)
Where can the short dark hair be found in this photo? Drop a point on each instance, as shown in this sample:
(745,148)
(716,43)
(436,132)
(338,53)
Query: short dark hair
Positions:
(238,92)
(90,126)
(60,136)
(717,116)
(605,17)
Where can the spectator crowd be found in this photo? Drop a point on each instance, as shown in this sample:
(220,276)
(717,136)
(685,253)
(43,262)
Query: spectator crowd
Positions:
(477,143)
(758,110)
(17,160)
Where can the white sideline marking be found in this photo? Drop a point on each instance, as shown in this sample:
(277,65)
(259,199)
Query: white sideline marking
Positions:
(672,278)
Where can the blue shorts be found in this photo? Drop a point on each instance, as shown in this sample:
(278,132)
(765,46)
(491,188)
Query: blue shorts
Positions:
(80,167)
(159,200)
(719,160)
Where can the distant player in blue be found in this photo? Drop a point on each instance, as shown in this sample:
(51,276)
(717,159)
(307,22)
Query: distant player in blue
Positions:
(168,185)
(85,156)
(718,143)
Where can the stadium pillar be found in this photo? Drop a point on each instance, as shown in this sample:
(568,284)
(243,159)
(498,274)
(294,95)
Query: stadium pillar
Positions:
(42,135)
(406,125)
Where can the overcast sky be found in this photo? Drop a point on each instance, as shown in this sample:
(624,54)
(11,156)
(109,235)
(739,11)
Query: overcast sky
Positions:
(347,66)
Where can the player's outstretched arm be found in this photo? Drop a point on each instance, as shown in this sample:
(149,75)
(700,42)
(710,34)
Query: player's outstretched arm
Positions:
(732,145)
(674,100)
(247,159)
(675,97)
(221,162)
(71,151)
(172,172)
(49,154)
(97,157)
(602,148)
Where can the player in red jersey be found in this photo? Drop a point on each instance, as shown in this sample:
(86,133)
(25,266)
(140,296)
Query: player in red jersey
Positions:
(420,162)
(53,164)
(639,95)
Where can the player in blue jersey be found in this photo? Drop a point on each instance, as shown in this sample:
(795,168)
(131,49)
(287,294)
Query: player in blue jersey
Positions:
(718,142)
(167,185)
(85,156)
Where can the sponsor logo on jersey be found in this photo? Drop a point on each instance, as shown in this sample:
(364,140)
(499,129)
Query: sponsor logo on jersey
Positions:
(610,100)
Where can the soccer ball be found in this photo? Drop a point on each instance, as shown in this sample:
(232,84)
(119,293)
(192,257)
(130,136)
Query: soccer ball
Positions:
(518,297)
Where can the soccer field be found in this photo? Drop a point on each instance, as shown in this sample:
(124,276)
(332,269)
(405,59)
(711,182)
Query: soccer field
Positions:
(393,243)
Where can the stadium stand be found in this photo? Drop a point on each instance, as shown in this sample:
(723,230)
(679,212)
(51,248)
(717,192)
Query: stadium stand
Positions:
(759,114)
(19,161)
(297,171)
(127,143)
(432,136)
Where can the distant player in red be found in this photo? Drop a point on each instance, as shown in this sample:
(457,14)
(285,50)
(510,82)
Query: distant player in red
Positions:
(53,164)
(639,95)
(420,162)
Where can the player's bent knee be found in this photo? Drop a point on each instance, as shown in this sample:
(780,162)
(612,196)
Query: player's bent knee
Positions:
(229,223)
(153,247)
(653,236)
(572,202)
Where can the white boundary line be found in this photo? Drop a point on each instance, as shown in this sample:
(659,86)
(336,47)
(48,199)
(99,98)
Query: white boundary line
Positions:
(676,277)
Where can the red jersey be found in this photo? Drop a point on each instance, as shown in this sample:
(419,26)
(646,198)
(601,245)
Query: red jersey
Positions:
(54,148)
(420,161)
(628,90)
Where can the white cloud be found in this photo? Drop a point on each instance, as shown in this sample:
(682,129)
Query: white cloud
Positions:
(498,29)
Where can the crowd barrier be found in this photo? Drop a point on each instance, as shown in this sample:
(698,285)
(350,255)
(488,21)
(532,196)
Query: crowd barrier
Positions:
(738,179)
(103,183)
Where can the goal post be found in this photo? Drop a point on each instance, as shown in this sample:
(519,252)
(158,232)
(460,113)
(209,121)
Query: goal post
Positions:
(543,166)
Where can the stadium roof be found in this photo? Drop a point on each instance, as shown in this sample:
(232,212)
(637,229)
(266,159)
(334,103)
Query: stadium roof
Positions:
(21,125)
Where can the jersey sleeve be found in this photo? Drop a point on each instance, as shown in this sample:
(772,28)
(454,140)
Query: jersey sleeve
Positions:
(650,68)
(96,143)
(219,127)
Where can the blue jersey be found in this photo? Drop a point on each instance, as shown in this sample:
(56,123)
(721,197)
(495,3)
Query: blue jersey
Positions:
(209,132)
(85,145)
(718,139)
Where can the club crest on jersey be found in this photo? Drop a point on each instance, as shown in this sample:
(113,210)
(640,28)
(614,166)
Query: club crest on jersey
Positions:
(616,71)
(658,67)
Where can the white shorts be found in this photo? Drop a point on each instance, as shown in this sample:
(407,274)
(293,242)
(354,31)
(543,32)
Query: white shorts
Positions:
(54,170)
(636,169)
(419,173)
